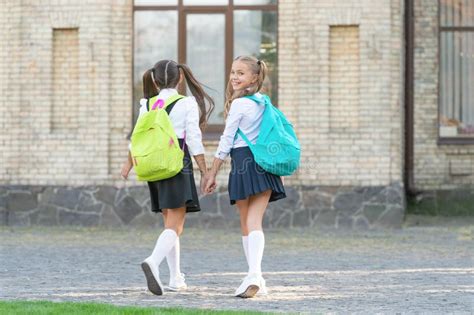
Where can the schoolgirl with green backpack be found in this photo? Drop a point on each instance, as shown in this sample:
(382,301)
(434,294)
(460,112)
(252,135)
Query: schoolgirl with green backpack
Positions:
(166,135)
(263,146)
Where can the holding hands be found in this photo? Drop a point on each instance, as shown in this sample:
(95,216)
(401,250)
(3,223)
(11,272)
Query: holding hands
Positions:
(208,177)
(208,182)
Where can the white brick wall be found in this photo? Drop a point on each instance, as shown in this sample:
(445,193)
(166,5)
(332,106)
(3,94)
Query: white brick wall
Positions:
(86,152)
(370,154)
(65,100)
(344,79)
(436,166)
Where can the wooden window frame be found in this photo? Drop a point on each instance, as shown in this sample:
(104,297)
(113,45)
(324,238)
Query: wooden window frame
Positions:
(441,29)
(215,130)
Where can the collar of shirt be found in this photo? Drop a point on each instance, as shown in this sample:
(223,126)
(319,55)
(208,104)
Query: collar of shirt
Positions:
(165,93)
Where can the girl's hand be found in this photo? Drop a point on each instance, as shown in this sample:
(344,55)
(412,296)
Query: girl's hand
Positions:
(204,178)
(127,166)
(211,184)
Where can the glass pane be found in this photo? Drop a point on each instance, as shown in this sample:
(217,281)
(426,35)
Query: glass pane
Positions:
(206,2)
(255,33)
(155,38)
(205,55)
(467,83)
(457,12)
(468,13)
(156,2)
(456,81)
(450,12)
(254,2)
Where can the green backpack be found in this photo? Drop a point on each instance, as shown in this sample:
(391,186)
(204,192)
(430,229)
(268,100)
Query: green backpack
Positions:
(156,154)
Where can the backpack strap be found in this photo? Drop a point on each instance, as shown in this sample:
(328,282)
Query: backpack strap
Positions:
(264,99)
(257,100)
(254,98)
(244,137)
(168,105)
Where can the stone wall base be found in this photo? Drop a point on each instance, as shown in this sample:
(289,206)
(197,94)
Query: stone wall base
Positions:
(305,206)
(458,202)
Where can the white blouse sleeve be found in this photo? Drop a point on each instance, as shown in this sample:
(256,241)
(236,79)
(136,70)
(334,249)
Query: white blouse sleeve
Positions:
(142,111)
(236,112)
(193,132)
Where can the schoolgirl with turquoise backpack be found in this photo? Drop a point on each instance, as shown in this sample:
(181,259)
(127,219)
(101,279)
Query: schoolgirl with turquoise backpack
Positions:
(263,146)
(166,135)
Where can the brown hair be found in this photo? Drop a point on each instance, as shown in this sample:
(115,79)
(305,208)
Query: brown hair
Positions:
(257,67)
(166,74)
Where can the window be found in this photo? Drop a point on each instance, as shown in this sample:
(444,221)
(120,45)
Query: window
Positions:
(207,35)
(456,75)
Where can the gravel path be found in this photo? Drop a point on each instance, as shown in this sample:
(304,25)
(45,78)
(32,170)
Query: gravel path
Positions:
(426,269)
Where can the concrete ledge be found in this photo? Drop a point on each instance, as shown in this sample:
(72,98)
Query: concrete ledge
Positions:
(338,207)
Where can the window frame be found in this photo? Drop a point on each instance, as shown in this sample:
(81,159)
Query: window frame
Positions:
(213,131)
(452,29)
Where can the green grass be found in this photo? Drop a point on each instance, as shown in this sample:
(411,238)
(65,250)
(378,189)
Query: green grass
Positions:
(71,308)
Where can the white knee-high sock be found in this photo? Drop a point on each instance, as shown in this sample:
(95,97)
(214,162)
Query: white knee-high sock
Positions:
(165,242)
(245,245)
(173,260)
(256,245)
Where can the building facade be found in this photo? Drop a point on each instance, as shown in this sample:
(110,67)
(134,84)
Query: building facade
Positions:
(365,83)
(441,107)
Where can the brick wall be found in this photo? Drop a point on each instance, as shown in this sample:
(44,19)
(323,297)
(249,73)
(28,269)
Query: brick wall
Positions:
(340,79)
(344,79)
(65,86)
(66,91)
(370,151)
(436,167)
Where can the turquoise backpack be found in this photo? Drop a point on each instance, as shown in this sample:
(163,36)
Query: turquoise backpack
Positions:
(277,149)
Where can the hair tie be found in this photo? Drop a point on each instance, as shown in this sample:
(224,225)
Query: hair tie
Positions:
(153,76)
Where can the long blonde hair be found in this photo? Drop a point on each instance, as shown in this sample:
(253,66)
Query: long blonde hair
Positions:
(257,67)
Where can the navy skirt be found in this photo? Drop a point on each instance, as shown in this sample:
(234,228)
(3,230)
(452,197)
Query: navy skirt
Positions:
(247,178)
(177,191)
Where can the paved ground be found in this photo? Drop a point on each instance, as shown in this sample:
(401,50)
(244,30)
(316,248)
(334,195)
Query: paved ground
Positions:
(419,269)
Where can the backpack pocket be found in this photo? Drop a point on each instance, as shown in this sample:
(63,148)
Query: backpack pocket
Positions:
(156,157)
(154,166)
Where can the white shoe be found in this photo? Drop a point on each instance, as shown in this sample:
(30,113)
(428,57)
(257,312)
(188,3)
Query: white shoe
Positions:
(263,287)
(177,284)
(152,276)
(249,286)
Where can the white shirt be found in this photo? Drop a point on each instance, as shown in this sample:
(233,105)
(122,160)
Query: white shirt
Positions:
(246,115)
(185,119)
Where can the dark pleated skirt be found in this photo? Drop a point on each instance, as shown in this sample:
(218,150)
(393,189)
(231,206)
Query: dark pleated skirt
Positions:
(177,191)
(247,178)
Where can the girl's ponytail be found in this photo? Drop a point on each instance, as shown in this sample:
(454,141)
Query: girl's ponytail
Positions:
(262,73)
(198,92)
(149,86)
